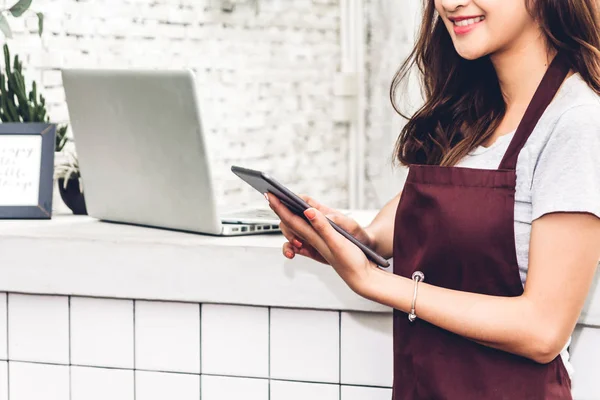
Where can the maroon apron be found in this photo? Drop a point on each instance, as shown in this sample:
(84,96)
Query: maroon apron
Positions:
(456,225)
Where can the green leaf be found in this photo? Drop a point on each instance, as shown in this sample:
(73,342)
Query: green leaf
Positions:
(40,23)
(20,7)
(4,27)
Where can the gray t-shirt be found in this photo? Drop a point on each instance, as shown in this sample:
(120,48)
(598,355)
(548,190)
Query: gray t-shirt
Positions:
(558,169)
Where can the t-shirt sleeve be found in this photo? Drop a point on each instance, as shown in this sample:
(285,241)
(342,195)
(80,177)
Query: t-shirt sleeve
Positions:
(567,174)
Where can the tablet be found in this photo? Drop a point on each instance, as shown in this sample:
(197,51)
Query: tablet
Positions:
(265,183)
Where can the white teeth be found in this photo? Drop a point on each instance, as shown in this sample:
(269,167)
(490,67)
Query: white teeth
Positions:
(470,21)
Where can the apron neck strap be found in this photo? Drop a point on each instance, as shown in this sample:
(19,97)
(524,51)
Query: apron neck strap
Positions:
(551,82)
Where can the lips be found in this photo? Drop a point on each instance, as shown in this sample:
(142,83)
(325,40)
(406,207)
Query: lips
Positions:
(466,24)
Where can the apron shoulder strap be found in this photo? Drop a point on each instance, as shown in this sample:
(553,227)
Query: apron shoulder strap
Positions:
(551,82)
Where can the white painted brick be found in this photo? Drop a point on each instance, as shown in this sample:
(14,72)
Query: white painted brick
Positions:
(17,25)
(171,31)
(52,25)
(31,22)
(58,113)
(295,43)
(38,328)
(56,94)
(102,332)
(50,59)
(51,78)
(77,26)
(74,9)
(195,31)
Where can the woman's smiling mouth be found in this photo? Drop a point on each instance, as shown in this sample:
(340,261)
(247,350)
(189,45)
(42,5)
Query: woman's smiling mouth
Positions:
(464,25)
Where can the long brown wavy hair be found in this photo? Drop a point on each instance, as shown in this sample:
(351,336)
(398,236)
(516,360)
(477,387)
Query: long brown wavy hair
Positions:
(463,102)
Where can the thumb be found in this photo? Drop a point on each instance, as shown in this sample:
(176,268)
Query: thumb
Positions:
(338,219)
(321,224)
(314,203)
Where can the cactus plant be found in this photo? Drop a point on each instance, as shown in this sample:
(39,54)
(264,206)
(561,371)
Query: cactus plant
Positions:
(16,105)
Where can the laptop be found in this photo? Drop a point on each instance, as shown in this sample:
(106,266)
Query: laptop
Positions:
(142,155)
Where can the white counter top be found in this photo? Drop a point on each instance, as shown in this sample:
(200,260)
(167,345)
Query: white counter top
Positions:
(74,255)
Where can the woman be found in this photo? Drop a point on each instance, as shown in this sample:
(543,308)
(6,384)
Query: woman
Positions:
(500,212)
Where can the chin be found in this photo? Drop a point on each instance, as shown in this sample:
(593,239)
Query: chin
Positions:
(471,52)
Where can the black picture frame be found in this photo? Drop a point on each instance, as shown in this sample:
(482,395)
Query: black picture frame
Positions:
(43,210)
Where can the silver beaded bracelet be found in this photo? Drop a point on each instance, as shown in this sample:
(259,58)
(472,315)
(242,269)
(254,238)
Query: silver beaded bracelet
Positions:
(417,276)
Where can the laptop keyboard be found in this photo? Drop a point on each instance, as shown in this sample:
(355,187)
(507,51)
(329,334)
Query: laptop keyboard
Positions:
(255,213)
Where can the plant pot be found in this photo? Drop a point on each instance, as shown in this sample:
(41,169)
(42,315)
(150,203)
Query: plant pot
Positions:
(72,196)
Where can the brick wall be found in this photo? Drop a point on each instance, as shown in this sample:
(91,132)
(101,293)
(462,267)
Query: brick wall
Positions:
(265,79)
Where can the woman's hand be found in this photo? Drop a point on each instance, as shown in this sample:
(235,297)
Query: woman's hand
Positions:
(296,243)
(320,241)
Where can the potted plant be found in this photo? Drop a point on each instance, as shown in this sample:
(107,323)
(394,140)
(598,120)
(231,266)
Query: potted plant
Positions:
(69,184)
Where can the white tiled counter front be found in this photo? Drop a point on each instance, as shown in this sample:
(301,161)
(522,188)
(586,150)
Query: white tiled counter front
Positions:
(92,310)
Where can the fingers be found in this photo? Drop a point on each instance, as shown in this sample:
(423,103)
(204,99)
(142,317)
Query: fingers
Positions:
(301,227)
(291,236)
(322,226)
(290,251)
(284,213)
(348,224)
(296,223)
(314,203)
(336,218)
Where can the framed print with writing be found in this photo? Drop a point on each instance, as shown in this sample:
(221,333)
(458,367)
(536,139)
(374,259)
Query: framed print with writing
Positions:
(26,170)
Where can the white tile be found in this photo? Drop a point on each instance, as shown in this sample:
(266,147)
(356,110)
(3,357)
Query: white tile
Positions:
(102,332)
(364,393)
(165,385)
(3,380)
(585,358)
(89,383)
(3,322)
(222,388)
(38,381)
(38,328)
(282,390)
(305,345)
(367,352)
(235,340)
(167,336)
